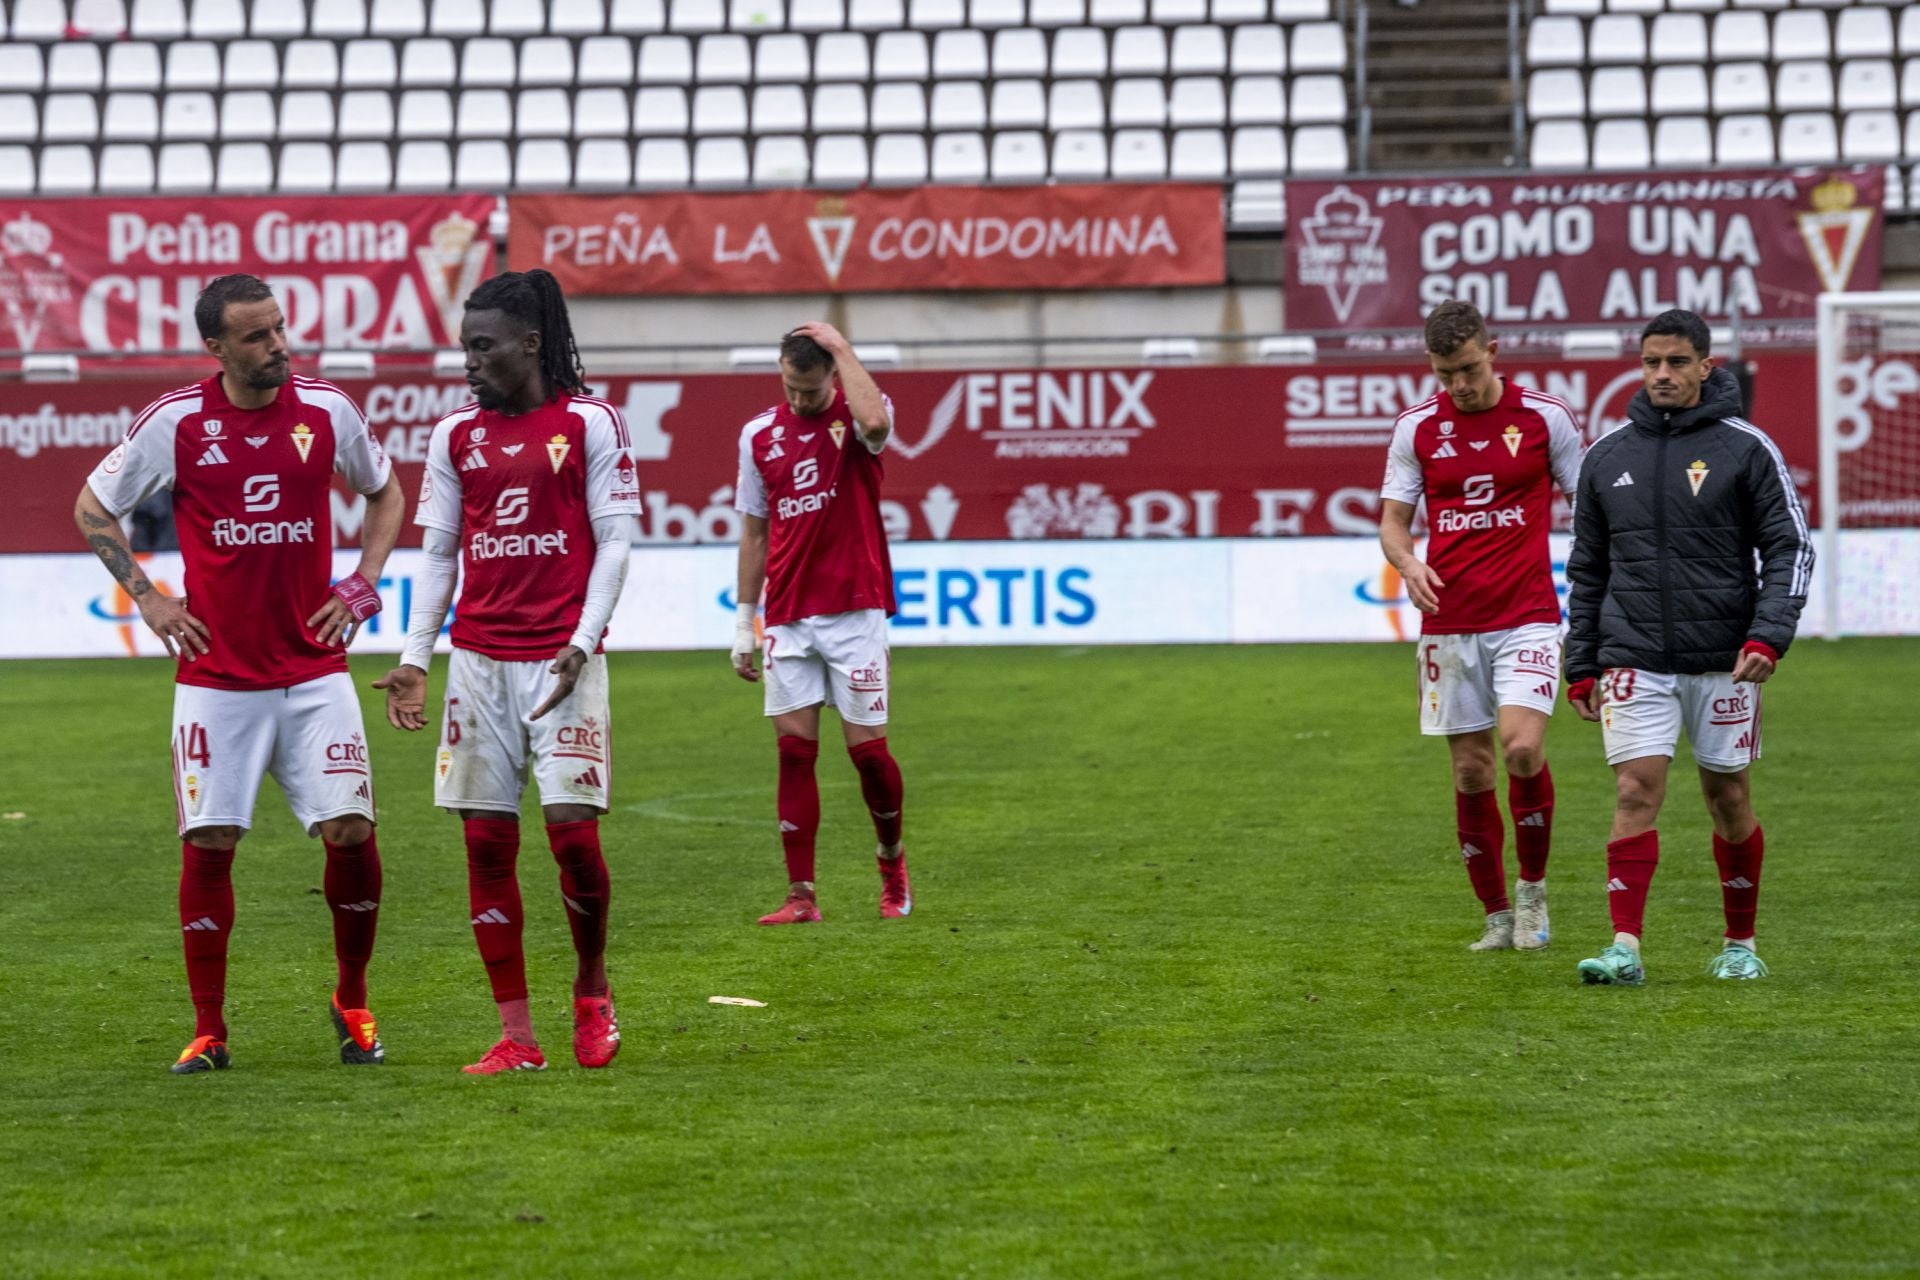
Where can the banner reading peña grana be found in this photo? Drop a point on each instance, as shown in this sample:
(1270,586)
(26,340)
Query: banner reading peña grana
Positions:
(122,275)
(1602,250)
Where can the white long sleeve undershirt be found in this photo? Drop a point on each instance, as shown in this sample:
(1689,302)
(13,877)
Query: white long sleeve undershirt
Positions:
(433,588)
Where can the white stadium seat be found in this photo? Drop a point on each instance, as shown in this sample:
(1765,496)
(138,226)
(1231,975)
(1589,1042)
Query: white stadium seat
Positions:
(546,113)
(1560,144)
(131,117)
(1555,42)
(840,55)
(425,113)
(1803,86)
(66,169)
(1019,51)
(1197,101)
(1739,37)
(1616,37)
(1257,50)
(399,18)
(1199,50)
(430,62)
(16,170)
(1141,101)
(1139,51)
(363,166)
(306,166)
(366,113)
(369,64)
(1079,155)
(723,59)
(22,69)
(1019,156)
(244,166)
(959,157)
(1257,100)
(1556,94)
(153,20)
(660,110)
(637,17)
(899,108)
(1319,100)
(936,15)
(306,113)
(189,115)
(1080,51)
(70,117)
(1809,137)
(960,55)
(1018,104)
(720,162)
(516,19)
(1801,33)
(1743,139)
(1320,148)
(899,159)
(1138,154)
(1740,87)
(1077,105)
(779,108)
(337,18)
(310,64)
(487,62)
(75,66)
(780,162)
(756,15)
(606,60)
(876,15)
(185,166)
(1259,151)
(696,17)
(603,162)
(840,161)
(546,60)
(901,55)
(1869,136)
(1056,13)
(543,163)
(1682,142)
(480,166)
(19,117)
(1678,37)
(1318,46)
(601,113)
(1679,91)
(1198,154)
(1863,32)
(1621,144)
(782,58)
(423,166)
(839,108)
(1867,85)
(958,105)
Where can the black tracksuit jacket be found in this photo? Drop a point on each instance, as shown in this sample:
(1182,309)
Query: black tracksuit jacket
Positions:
(1669,514)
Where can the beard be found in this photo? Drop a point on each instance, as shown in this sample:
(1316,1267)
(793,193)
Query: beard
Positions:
(269,376)
(488,398)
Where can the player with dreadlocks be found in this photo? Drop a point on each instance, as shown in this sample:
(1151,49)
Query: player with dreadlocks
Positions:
(534,484)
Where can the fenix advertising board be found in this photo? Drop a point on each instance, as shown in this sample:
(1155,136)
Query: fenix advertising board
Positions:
(1018,454)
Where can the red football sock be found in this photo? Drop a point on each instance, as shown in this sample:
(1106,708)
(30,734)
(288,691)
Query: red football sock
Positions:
(880,784)
(1482,838)
(206,920)
(1630,864)
(493,891)
(1740,880)
(799,805)
(585,888)
(352,886)
(1531,802)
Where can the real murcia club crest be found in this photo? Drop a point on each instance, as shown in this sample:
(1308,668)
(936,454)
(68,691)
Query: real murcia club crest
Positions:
(445,763)
(452,262)
(303,439)
(1511,438)
(838,430)
(557,450)
(1834,231)
(832,232)
(1697,475)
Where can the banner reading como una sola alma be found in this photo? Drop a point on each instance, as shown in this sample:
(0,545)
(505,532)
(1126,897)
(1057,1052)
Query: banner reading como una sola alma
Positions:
(110,275)
(1069,237)
(1609,250)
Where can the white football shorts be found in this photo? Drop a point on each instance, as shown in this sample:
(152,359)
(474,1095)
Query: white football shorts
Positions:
(309,737)
(1465,680)
(836,657)
(1643,712)
(487,744)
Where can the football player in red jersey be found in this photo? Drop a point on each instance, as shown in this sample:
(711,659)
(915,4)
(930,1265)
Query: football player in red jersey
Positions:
(811,534)
(534,488)
(261,638)
(1486,455)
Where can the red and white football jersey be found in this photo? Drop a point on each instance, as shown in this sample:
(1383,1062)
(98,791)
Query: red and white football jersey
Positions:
(521,494)
(818,486)
(1488,481)
(252,506)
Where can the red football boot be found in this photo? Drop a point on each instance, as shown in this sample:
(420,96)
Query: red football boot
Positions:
(896,893)
(508,1055)
(596,1033)
(799,908)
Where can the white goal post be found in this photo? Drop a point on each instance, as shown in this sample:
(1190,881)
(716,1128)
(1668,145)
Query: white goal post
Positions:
(1869,482)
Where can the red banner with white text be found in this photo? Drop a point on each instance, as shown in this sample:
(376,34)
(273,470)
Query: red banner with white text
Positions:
(1242,451)
(1068,237)
(122,275)
(1601,250)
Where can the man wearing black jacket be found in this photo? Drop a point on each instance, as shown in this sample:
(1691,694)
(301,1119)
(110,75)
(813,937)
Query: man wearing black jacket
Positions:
(1670,627)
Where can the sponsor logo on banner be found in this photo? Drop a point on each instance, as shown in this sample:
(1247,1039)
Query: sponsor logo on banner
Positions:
(1342,252)
(452,262)
(1085,512)
(1834,231)
(1096,413)
(33,276)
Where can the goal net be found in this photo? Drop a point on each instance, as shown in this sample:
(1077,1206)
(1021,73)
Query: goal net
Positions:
(1868,507)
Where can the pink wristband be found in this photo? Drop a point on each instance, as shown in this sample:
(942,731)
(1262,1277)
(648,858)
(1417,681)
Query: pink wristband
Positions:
(358,595)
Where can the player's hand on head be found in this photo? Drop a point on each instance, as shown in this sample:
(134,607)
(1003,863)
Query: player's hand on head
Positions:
(1423,586)
(406,688)
(829,338)
(566,668)
(179,630)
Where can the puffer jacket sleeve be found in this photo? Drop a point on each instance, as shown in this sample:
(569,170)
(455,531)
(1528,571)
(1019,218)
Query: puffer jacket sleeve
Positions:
(1588,568)
(1785,544)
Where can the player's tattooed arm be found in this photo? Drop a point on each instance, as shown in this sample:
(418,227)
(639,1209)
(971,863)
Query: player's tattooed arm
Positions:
(165,616)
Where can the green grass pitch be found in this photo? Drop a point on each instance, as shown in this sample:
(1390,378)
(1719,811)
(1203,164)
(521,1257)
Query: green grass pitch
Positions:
(1185,993)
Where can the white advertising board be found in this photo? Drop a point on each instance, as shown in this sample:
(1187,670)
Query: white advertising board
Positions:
(955,593)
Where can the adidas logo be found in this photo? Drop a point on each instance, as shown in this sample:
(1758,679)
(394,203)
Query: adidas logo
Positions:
(1446,450)
(1470,851)
(1616,885)
(358,906)
(474,462)
(363,792)
(1545,690)
(1745,743)
(591,778)
(1626,478)
(492,915)
(1738,882)
(879,704)
(786,826)
(204,924)
(1532,820)
(213,457)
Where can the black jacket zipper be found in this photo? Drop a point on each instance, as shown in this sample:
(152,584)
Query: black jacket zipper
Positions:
(1665,551)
